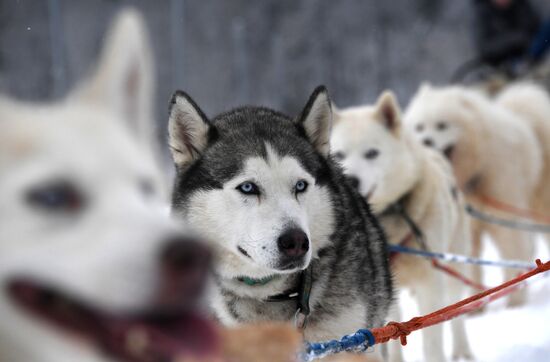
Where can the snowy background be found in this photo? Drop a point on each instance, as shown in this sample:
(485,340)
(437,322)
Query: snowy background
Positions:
(500,334)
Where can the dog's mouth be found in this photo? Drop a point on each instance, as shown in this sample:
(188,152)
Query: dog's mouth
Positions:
(151,336)
(291,265)
(448,151)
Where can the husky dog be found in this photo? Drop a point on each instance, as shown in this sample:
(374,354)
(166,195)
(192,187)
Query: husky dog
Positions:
(401,179)
(91,267)
(293,235)
(494,153)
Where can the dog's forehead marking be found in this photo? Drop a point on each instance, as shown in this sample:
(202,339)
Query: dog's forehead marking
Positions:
(275,166)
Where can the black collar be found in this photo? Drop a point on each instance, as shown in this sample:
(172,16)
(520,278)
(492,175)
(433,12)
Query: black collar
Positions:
(399,209)
(301,294)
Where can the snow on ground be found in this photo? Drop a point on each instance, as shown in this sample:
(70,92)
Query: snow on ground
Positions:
(501,334)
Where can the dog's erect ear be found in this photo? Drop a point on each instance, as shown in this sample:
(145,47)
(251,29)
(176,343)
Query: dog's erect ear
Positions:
(124,78)
(316,119)
(425,87)
(388,112)
(336,115)
(188,129)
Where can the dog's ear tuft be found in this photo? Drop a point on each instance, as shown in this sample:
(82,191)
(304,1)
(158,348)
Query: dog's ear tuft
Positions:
(388,111)
(316,119)
(188,129)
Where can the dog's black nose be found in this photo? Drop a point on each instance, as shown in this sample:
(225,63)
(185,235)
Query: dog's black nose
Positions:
(293,243)
(428,142)
(184,266)
(184,254)
(354,181)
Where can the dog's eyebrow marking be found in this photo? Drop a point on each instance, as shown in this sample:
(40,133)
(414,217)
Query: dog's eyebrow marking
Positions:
(173,148)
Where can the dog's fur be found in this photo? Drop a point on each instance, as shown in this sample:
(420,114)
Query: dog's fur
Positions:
(493,152)
(531,102)
(98,238)
(347,250)
(391,167)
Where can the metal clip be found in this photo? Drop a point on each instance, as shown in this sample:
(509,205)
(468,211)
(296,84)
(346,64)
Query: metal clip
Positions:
(300,320)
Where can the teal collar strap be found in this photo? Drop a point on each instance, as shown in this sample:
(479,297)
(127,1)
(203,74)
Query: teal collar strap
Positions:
(255,282)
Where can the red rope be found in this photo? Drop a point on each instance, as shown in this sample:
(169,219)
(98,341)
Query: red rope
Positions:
(514,210)
(456,274)
(395,330)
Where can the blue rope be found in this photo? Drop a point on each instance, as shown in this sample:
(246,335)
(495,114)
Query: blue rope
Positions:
(359,341)
(461,258)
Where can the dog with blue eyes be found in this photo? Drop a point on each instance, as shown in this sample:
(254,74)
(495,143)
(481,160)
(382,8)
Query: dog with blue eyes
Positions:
(296,242)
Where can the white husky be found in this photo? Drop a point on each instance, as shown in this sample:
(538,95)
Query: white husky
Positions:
(392,170)
(87,252)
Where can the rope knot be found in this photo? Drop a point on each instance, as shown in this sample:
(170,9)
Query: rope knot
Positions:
(402,331)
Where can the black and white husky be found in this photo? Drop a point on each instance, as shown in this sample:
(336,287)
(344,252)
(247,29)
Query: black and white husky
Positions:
(296,240)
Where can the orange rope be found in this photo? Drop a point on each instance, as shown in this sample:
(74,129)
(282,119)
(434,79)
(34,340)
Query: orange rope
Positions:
(395,330)
(456,274)
(517,211)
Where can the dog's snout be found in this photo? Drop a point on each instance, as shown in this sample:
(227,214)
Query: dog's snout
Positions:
(428,142)
(354,181)
(293,243)
(184,254)
(184,266)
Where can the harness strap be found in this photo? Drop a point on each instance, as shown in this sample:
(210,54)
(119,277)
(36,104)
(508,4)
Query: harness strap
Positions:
(508,223)
(302,295)
(407,239)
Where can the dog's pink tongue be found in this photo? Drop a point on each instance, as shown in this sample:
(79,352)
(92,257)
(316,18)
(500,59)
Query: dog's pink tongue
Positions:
(147,341)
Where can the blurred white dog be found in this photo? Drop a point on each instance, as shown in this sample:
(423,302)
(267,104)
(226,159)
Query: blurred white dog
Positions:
(91,266)
(401,179)
(495,152)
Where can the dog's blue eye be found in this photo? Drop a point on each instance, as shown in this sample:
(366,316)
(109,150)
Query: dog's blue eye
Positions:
(248,188)
(301,186)
(56,197)
(372,154)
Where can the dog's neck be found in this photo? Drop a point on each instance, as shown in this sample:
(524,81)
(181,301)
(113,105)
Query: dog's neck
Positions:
(258,288)
(253,282)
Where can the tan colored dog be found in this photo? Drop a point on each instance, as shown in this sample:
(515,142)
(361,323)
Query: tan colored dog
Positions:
(390,167)
(494,153)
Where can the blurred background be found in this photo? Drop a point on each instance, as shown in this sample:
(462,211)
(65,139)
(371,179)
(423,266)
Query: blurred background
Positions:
(230,53)
(227,53)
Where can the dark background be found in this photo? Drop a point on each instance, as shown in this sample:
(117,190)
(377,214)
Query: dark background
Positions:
(232,52)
